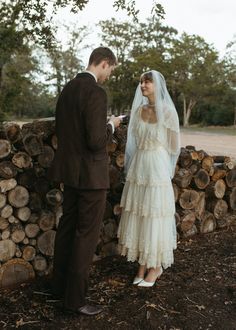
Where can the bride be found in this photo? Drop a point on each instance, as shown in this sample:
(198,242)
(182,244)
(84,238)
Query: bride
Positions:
(147,230)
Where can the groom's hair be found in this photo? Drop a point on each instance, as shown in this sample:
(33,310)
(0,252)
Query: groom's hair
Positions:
(102,54)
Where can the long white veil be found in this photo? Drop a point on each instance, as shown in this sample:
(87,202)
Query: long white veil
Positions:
(167,121)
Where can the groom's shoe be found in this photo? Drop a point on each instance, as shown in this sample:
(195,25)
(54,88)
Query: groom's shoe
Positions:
(89,310)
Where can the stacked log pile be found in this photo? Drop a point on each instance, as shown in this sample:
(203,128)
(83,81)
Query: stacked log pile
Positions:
(31,205)
(205,192)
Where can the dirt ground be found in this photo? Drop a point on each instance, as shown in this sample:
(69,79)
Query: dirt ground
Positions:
(197,292)
(213,143)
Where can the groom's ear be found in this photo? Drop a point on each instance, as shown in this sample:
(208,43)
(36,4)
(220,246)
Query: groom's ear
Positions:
(104,64)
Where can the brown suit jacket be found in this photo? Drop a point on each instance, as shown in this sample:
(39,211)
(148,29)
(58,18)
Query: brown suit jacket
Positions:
(81,159)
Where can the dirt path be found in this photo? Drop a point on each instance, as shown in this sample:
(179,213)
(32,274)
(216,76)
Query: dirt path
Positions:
(214,144)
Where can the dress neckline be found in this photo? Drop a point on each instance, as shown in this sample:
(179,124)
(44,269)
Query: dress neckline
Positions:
(141,119)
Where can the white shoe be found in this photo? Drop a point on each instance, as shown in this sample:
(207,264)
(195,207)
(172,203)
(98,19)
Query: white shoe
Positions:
(137,280)
(146,284)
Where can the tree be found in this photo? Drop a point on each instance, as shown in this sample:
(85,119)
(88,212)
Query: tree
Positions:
(26,22)
(65,60)
(196,71)
(139,47)
(21,94)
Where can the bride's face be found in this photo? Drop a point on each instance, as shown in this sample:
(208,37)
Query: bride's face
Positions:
(147,87)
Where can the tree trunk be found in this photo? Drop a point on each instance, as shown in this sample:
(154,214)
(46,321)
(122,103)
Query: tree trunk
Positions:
(188,110)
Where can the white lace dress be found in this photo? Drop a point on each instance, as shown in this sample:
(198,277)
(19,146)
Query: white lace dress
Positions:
(147,230)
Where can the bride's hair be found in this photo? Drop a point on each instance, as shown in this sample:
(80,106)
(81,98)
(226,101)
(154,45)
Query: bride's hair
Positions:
(146,76)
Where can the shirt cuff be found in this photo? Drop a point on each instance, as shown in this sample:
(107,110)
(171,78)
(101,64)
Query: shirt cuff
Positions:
(112,125)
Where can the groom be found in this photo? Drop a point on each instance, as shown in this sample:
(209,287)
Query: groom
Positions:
(81,163)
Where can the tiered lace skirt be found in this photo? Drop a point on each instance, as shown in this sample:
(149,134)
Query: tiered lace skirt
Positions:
(147,231)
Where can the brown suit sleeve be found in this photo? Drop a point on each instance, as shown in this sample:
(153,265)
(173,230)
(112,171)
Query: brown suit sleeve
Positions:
(98,133)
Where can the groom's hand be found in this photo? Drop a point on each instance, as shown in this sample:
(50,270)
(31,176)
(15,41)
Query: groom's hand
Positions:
(116,120)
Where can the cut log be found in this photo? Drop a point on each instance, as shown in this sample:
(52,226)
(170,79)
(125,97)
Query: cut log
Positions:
(3,200)
(221,159)
(32,230)
(6,233)
(200,208)
(185,158)
(6,185)
(108,211)
(176,191)
(29,253)
(207,163)
(218,207)
(25,241)
(6,211)
(39,170)
(109,249)
(42,186)
(18,197)
(3,223)
(23,213)
(187,220)
(120,160)
(7,169)
(58,213)
(33,241)
(43,128)
(111,147)
(191,232)
(201,154)
(15,271)
(46,220)
(18,253)
(189,199)
(54,141)
(183,178)
(194,155)
(13,219)
(195,167)
(208,223)
(7,250)
(27,178)
(46,157)
(22,160)
(13,132)
(114,175)
(33,144)
(201,179)
(40,263)
(5,148)
(109,230)
(177,219)
(54,197)
(35,202)
(218,174)
(18,234)
(45,242)
(230,197)
(117,210)
(231,178)
(216,189)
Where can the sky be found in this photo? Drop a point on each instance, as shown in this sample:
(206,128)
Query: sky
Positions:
(214,20)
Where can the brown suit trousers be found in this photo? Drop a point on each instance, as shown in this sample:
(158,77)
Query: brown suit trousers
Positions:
(78,231)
